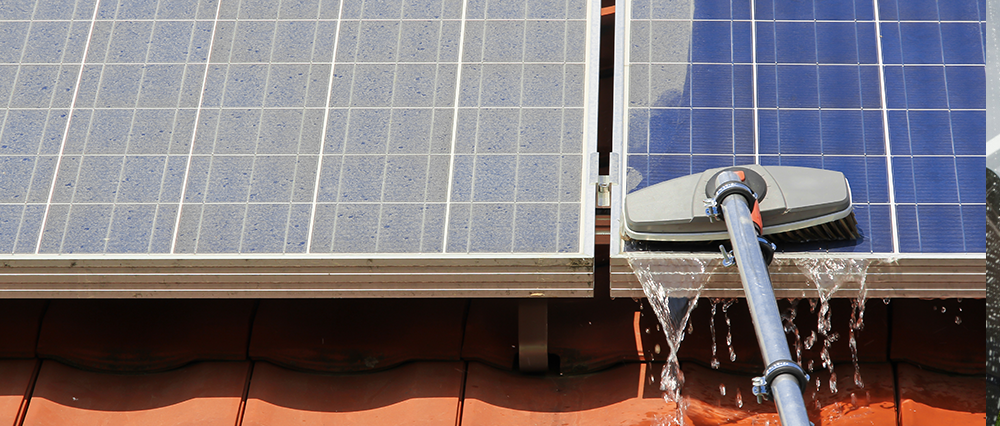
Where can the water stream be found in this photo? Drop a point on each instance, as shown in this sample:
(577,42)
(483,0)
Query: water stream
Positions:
(829,275)
(672,287)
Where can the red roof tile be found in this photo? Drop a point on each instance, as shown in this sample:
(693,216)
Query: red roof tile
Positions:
(422,393)
(934,399)
(15,380)
(621,395)
(206,393)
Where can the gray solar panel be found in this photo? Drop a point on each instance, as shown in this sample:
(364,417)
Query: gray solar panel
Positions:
(296,127)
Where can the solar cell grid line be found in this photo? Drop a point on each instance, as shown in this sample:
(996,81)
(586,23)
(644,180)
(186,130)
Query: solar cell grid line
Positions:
(194,135)
(62,147)
(326,122)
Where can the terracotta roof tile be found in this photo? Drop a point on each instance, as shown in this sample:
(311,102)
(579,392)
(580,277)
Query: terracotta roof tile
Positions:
(621,395)
(206,394)
(932,399)
(421,393)
(15,381)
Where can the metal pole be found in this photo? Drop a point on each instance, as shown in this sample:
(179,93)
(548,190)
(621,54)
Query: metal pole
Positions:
(763,307)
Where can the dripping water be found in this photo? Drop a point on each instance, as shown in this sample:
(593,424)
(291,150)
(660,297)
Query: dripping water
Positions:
(672,287)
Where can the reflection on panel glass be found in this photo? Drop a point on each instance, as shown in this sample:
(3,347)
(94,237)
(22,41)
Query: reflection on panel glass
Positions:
(891,94)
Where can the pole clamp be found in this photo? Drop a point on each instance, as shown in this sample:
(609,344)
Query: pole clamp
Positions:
(712,205)
(762,384)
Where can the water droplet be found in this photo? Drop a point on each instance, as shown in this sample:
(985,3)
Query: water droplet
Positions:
(722,389)
(647,330)
(732,354)
(739,398)
(810,340)
(715,363)
(944,309)
(833,384)
(656,349)
(885,300)
(854,399)
(958,320)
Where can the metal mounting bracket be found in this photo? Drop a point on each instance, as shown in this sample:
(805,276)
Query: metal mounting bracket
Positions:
(533,335)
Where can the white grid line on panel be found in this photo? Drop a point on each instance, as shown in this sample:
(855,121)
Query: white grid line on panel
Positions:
(194,133)
(62,144)
(343,143)
(302,123)
(454,129)
(90,125)
(430,144)
(753,60)
(951,133)
(326,121)
(885,133)
(188,73)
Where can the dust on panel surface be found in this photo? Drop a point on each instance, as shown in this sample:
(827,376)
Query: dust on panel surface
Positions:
(200,126)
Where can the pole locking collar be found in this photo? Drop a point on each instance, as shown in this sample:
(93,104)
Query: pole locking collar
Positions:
(762,384)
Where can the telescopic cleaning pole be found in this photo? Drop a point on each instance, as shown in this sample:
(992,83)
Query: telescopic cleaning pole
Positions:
(783,379)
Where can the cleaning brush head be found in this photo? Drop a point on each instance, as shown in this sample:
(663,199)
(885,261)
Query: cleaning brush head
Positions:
(797,204)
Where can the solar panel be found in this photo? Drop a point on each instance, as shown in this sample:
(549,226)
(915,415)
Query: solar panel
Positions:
(889,93)
(297,127)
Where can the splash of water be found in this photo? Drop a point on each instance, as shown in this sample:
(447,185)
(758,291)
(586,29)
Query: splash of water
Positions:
(829,275)
(729,329)
(672,287)
(711,327)
(788,321)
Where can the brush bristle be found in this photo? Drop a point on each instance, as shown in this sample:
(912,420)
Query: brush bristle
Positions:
(838,230)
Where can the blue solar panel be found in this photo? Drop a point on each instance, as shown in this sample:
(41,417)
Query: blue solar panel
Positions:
(202,126)
(802,83)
